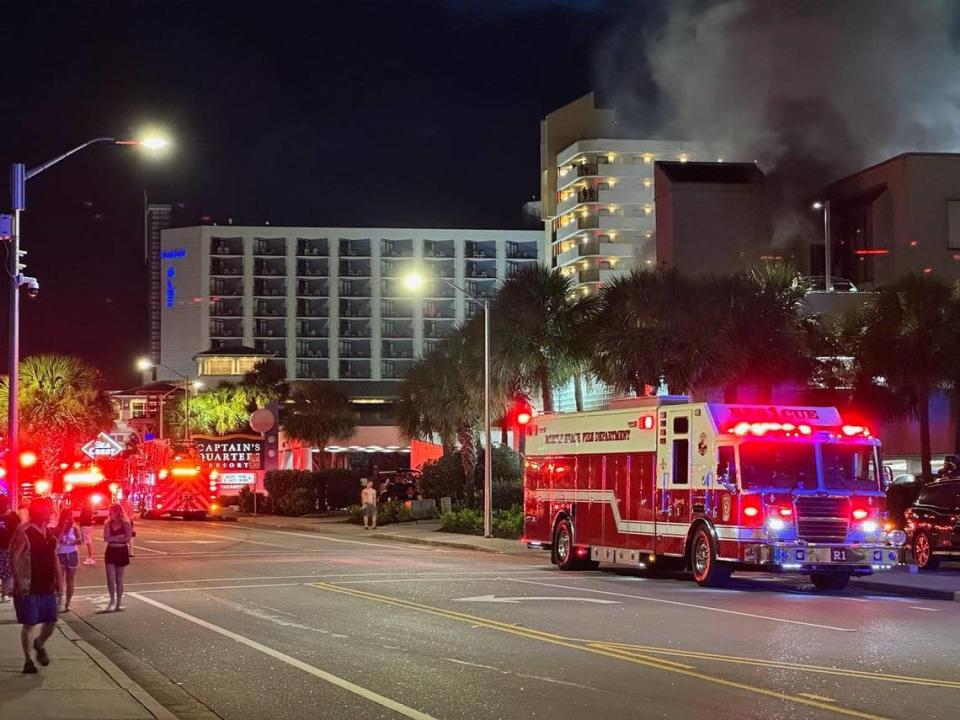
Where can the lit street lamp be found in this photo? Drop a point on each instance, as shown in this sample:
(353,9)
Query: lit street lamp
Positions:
(19,174)
(827,245)
(144,364)
(415,282)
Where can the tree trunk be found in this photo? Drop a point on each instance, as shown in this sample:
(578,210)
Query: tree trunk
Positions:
(923,402)
(468,461)
(503,435)
(546,391)
(955,411)
(578,391)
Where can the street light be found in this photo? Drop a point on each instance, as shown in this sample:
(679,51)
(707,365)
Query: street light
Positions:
(144,364)
(414,282)
(19,174)
(827,245)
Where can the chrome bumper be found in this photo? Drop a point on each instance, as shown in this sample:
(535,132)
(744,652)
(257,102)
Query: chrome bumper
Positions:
(793,556)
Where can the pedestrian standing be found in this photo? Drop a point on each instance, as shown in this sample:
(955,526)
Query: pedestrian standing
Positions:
(85,521)
(36,581)
(9,520)
(116,534)
(68,541)
(368,501)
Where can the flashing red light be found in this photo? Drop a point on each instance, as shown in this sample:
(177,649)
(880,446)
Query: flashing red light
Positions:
(28,459)
(751,511)
(646,422)
(523,418)
(759,429)
(860,514)
(871,252)
(786,511)
(95,500)
(163,473)
(854,430)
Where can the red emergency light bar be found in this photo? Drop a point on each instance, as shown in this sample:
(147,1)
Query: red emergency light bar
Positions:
(758,429)
(854,430)
(871,252)
(185,472)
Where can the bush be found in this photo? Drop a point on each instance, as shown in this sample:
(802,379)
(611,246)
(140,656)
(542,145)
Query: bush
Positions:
(299,502)
(387,513)
(465,520)
(444,477)
(508,523)
(245,500)
(341,487)
(507,493)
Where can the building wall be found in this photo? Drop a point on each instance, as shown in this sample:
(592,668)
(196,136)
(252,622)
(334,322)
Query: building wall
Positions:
(156,219)
(892,219)
(329,301)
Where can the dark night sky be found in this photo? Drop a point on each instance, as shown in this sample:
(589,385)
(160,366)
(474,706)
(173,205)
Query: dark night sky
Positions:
(399,113)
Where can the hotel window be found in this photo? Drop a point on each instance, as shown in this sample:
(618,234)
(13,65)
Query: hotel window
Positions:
(218,366)
(138,409)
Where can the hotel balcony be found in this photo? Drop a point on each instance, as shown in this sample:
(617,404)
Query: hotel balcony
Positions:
(226,308)
(315,328)
(354,267)
(522,250)
(354,369)
(396,267)
(309,349)
(438,249)
(270,308)
(226,287)
(312,370)
(445,309)
(230,328)
(438,328)
(354,248)
(270,328)
(278,346)
(313,267)
(397,308)
(313,288)
(396,328)
(270,267)
(394,369)
(313,308)
(396,248)
(592,248)
(312,247)
(226,266)
(264,287)
(354,328)
(354,349)
(397,349)
(226,246)
(354,288)
(355,308)
(270,246)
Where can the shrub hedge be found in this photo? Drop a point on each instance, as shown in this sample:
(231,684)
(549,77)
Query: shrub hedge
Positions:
(299,492)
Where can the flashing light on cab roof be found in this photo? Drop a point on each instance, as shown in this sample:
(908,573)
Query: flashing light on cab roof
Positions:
(28,459)
(42,487)
(185,471)
(854,430)
(163,473)
(758,429)
(646,422)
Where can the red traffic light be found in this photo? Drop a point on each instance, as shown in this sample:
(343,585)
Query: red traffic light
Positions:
(523,418)
(521,413)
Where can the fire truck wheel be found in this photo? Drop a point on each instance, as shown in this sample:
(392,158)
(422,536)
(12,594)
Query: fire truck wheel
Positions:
(707,570)
(922,554)
(830,581)
(565,554)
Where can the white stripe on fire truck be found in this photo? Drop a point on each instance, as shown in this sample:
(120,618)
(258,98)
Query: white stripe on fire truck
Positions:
(627,527)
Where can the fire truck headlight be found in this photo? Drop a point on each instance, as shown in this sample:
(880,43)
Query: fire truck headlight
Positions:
(96,500)
(897,538)
(870,526)
(776,524)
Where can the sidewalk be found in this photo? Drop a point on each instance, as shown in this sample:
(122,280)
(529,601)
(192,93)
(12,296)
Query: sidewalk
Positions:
(79,684)
(942,585)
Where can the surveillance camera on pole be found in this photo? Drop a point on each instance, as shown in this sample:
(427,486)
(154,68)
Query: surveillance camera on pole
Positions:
(31,283)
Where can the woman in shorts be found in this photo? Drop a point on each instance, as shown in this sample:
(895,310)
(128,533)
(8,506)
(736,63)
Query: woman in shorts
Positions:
(117,534)
(68,541)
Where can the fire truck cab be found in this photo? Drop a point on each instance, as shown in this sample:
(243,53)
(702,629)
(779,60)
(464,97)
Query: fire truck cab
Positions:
(185,488)
(717,487)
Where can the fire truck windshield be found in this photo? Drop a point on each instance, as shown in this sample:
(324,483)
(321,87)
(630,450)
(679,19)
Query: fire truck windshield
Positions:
(849,467)
(771,464)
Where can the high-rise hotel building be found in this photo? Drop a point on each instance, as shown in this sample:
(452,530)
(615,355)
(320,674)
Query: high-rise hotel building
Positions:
(329,302)
(597,192)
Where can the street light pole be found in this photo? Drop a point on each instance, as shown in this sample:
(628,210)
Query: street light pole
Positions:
(487,451)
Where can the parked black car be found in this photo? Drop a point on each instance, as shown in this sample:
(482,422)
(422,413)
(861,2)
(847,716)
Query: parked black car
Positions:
(933,523)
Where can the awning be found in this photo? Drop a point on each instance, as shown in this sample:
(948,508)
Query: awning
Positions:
(371,439)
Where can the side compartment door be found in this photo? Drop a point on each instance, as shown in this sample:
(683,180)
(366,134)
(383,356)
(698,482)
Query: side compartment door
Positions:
(673,481)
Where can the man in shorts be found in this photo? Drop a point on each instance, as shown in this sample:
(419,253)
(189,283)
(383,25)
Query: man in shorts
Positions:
(368,501)
(37,581)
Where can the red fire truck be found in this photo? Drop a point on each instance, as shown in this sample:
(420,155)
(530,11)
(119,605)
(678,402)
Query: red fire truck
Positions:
(713,487)
(184,488)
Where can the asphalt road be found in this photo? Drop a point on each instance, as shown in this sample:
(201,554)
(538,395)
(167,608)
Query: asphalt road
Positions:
(257,623)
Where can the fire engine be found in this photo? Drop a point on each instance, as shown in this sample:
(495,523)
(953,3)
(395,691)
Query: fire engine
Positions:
(184,488)
(714,487)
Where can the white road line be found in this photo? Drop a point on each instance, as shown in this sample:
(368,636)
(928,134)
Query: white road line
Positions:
(219,587)
(327,576)
(293,662)
(158,552)
(684,604)
(319,536)
(420,580)
(926,609)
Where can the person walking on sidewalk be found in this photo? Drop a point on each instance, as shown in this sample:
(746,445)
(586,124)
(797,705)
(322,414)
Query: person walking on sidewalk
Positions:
(36,581)
(9,520)
(368,501)
(85,521)
(116,534)
(68,539)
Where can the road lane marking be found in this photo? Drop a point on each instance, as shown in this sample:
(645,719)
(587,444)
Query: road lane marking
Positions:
(534,598)
(220,587)
(440,575)
(339,682)
(925,609)
(158,552)
(799,667)
(664,601)
(821,698)
(542,678)
(185,542)
(651,662)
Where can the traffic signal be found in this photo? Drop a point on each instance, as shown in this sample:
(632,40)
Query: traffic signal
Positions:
(521,413)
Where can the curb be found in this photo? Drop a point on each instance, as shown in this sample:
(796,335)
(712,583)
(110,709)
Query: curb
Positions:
(909,591)
(397,538)
(117,675)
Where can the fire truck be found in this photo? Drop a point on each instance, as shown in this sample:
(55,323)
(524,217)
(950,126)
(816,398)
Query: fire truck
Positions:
(714,488)
(184,487)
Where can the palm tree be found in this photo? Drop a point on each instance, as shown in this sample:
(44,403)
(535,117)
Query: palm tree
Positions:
(907,342)
(62,402)
(538,321)
(317,412)
(266,383)
(766,333)
(220,411)
(658,325)
(442,396)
